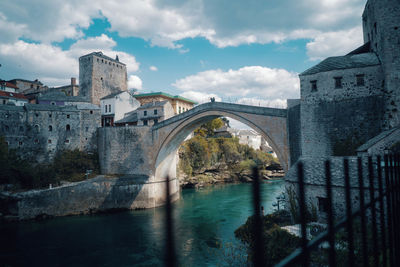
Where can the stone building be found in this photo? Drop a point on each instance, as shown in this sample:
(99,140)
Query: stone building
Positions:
(179,104)
(100,75)
(349,104)
(154,112)
(8,98)
(8,87)
(69,90)
(37,132)
(58,98)
(114,106)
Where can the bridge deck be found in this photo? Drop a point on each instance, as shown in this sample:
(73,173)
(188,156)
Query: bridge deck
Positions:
(227,107)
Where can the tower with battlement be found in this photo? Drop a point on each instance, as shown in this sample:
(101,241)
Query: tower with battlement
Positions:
(100,75)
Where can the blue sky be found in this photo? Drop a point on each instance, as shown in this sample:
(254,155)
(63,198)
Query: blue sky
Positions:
(238,51)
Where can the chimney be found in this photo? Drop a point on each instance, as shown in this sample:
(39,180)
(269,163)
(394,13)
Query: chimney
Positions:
(73,81)
(117,58)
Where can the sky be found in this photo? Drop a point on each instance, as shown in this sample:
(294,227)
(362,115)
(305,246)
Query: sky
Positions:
(247,52)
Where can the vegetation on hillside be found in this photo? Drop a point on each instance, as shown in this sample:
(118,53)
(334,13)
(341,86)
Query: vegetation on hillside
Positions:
(205,150)
(68,165)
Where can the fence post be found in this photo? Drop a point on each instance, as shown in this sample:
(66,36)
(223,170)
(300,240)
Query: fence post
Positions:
(303,219)
(349,222)
(331,234)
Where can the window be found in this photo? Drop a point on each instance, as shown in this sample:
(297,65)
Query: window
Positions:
(179,110)
(313,86)
(66,141)
(97,60)
(6,128)
(36,141)
(4,101)
(338,82)
(145,122)
(49,141)
(53,103)
(155,112)
(87,129)
(49,115)
(37,129)
(360,80)
(50,128)
(91,112)
(145,113)
(109,108)
(105,108)
(155,121)
(67,127)
(68,116)
(323,204)
(20,143)
(21,129)
(102,61)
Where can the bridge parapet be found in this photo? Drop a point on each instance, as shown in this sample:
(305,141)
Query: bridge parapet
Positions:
(222,106)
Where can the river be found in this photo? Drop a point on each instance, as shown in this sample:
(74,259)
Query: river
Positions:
(204,223)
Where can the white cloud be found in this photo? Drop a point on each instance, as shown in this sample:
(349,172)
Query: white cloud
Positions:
(165,23)
(248,81)
(134,82)
(274,103)
(153,68)
(200,97)
(334,43)
(51,64)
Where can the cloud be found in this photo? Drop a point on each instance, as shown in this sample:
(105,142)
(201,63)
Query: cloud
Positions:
(134,82)
(164,23)
(334,43)
(51,64)
(200,97)
(153,68)
(248,81)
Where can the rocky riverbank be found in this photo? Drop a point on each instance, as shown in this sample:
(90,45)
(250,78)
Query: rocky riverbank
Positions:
(223,174)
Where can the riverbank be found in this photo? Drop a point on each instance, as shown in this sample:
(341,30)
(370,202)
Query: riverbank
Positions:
(99,194)
(224,175)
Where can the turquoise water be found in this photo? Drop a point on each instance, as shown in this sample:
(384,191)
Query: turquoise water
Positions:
(204,223)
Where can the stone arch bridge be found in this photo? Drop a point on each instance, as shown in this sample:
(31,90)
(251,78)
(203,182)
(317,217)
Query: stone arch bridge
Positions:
(150,152)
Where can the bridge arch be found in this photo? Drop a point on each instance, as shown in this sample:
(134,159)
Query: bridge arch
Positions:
(270,126)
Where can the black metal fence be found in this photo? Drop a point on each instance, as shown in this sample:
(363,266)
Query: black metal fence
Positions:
(371,229)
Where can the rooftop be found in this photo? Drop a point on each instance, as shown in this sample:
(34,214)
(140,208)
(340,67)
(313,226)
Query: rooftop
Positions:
(13,95)
(112,95)
(8,84)
(44,107)
(165,95)
(129,117)
(28,81)
(349,61)
(60,96)
(100,54)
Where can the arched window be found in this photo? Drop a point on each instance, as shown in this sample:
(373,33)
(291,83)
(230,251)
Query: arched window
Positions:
(68,127)
(50,128)
(37,128)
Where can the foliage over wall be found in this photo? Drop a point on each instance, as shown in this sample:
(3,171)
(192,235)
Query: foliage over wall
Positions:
(68,165)
(204,151)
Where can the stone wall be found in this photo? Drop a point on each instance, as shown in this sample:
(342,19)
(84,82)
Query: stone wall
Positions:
(381,26)
(94,195)
(100,76)
(332,116)
(294,129)
(315,182)
(39,131)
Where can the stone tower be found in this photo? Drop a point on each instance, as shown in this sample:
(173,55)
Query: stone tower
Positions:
(100,75)
(381,28)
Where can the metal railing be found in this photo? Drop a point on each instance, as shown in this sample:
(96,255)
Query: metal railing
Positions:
(375,241)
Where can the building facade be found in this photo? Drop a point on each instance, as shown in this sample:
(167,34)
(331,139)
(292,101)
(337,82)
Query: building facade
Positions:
(114,106)
(154,112)
(179,104)
(100,75)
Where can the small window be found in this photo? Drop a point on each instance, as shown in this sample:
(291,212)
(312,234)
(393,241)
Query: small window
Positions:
(50,128)
(179,109)
(49,141)
(109,108)
(145,113)
(66,141)
(49,115)
(91,112)
(360,80)
(155,112)
(37,129)
(155,121)
(37,114)
(36,141)
(68,116)
(68,127)
(105,108)
(21,129)
(338,82)
(102,61)
(313,86)
(87,129)
(323,204)
(20,143)
(145,122)
(53,103)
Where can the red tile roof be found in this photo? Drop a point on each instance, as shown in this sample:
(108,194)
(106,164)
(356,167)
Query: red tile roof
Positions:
(8,84)
(13,95)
